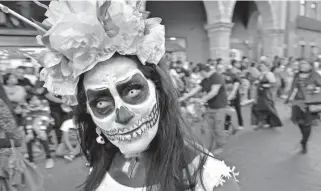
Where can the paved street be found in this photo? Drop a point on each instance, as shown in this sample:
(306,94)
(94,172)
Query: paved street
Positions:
(268,160)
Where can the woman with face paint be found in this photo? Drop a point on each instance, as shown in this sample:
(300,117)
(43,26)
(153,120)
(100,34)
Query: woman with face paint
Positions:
(306,81)
(108,65)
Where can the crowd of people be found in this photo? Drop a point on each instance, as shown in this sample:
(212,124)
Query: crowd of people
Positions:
(46,122)
(216,91)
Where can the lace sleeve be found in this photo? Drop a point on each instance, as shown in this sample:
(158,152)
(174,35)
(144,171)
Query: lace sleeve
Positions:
(8,124)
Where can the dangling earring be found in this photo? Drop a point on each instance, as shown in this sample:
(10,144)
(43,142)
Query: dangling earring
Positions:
(99,139)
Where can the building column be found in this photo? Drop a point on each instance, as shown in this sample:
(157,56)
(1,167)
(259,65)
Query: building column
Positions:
(24,8)
(273,42)
(219,34)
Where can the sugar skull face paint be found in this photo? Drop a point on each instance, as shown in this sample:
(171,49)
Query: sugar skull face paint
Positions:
(123,103)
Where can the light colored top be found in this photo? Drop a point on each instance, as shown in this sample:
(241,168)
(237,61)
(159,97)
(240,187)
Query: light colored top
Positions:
(215,174)
(16,93)
(269,76)
(67,125)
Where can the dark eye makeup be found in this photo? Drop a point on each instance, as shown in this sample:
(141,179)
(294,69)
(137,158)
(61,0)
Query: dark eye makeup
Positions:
(101,102)
(132,91)
(135,91)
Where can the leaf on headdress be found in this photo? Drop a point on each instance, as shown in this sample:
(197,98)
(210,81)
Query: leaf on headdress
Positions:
(110,28)
(138,4)
(65,69)
(104,16)
(151,23)
(45,40)
(103,11)
(41,24)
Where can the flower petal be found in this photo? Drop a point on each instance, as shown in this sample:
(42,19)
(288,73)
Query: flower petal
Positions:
(65,69)
(59,84)
(152,48)
(49,59)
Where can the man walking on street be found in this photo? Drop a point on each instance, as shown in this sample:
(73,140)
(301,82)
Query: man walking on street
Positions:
(216,103)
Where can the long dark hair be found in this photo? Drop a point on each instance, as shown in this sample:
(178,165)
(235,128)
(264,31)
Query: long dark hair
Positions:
(167,156)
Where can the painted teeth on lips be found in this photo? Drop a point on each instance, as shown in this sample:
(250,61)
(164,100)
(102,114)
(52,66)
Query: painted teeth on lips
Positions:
(136,130)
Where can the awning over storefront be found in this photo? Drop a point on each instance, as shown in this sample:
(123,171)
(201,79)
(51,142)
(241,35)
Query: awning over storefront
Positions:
(18,38)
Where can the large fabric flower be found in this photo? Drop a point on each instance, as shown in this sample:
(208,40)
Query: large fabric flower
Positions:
(79,37)
(129,23)
(83,33)
(57,83)
(58,9)
(152,47)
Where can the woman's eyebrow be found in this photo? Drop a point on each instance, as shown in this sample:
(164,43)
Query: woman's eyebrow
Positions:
(129,78)
(93,93)
(136,78)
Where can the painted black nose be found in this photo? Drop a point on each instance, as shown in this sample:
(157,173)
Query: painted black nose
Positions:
(123,115)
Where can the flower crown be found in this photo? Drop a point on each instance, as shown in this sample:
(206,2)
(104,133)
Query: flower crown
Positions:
(80,34)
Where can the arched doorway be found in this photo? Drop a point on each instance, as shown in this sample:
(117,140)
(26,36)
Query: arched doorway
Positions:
(252,20)
(185,32)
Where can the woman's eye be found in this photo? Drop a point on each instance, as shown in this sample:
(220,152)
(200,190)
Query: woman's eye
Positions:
(133,92)
(102,104)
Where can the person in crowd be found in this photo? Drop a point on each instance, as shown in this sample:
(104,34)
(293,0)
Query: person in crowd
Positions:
(196,75)
(279,77)
(69,148)
(11,160)
(126,109)
(22,80)
(177,82)
(232,83)
(264,60)
(216,102)
(55,103)
(9,136)
(245,63)
(17,95)
(218,61)
(245,89)
(252,75)
(288,79)
(37,121)
(275,63)
(31,75)
(236,67)
(264,111)
(306,81)
(183,74)
(211,63)
(317,64)
(56,112)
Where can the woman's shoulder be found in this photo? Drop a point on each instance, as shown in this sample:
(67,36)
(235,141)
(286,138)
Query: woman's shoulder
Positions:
(214,174)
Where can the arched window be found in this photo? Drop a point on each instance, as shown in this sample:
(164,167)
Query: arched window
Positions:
(303,5)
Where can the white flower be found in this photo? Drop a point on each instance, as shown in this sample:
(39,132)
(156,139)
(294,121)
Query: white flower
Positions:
(215,174)
(152,47)
(58,9)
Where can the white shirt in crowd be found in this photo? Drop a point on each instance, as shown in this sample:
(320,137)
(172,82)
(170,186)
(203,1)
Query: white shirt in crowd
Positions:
(67,125)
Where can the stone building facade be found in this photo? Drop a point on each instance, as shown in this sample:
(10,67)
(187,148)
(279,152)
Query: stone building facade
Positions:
(304,29)
(211,29)
(255,28)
